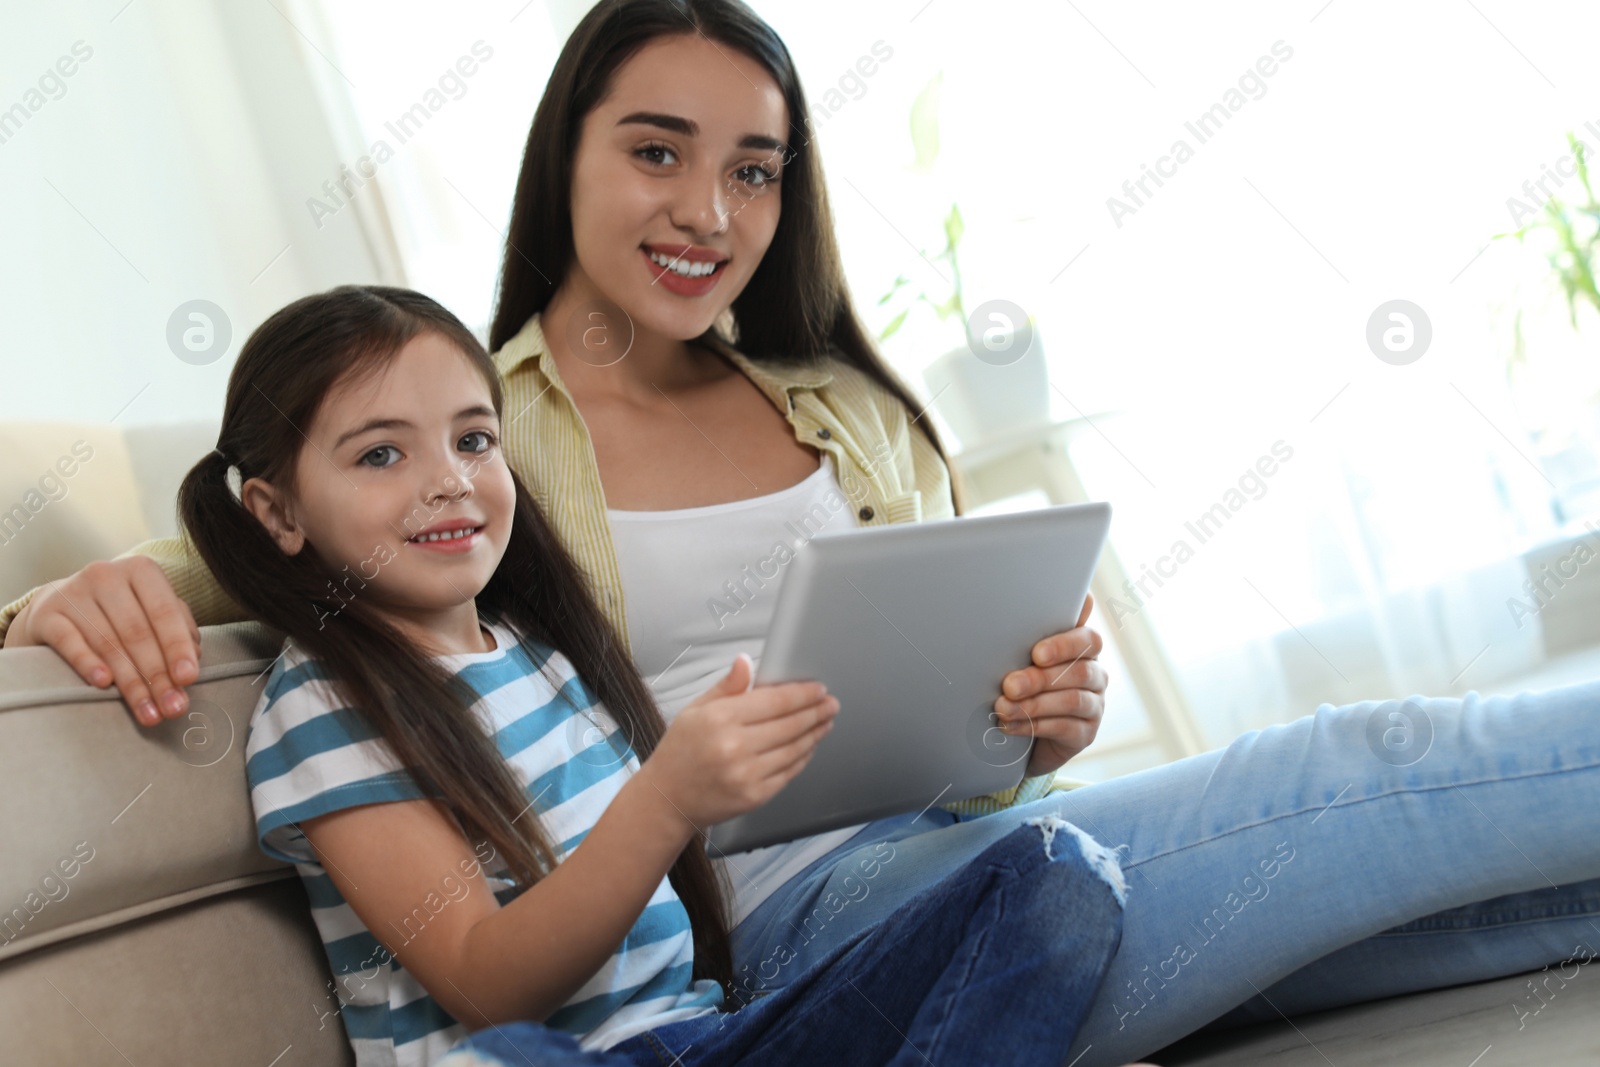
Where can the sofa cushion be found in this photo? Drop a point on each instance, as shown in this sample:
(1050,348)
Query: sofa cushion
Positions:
(68,495)
(161,456)
(238,977)
(1533,1018)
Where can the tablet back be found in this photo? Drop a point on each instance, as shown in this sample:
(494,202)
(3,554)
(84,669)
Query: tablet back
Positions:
(912,627)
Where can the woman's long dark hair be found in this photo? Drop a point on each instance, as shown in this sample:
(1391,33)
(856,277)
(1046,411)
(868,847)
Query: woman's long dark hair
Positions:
(796,307)
(284,371)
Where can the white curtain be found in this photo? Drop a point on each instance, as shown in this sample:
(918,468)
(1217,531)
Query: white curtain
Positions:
(1384,558)
(172,164)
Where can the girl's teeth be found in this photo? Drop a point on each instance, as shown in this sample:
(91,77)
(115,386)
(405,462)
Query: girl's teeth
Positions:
(683,266)
(451,535)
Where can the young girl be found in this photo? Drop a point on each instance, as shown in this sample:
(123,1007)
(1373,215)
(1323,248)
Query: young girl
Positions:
(493,826)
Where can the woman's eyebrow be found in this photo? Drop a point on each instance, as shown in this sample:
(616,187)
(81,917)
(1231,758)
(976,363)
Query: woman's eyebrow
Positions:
(476,411)
(690,128)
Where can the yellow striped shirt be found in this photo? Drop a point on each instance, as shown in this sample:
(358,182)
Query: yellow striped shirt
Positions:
(889,471)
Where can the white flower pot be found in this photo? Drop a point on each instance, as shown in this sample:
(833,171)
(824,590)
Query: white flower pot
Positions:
(979,399)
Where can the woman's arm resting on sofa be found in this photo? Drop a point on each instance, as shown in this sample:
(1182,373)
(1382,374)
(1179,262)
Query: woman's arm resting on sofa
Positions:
(128,621)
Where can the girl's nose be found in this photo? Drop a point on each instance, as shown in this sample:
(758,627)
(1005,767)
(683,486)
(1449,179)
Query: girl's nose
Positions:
(452,481)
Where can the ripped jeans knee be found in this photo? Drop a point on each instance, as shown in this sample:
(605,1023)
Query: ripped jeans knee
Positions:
(1103,861)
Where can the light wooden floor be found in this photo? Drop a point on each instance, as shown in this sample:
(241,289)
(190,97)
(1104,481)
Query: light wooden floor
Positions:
(1467,1026)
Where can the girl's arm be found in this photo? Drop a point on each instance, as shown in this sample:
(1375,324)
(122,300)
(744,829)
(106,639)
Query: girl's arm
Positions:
(396,864)
(401,866)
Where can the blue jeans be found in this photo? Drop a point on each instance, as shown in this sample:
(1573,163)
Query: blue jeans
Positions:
(1360,852)
(997,962)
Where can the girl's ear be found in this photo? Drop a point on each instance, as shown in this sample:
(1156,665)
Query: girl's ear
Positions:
(271,508)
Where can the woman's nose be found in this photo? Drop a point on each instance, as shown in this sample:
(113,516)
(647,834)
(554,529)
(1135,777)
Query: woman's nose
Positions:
(702,205)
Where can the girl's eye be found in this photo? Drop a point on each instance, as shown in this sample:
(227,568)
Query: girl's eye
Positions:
(476,441)
(375,457)
(649,152)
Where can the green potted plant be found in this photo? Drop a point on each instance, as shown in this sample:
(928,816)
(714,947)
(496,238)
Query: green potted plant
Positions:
(1576,232)
(995,379)
(1564,426)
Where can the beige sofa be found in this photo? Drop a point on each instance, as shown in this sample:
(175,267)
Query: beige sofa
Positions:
(139,923)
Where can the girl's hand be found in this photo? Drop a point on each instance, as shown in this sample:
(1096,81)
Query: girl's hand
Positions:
(119,620)
(733,747)
(1059,701)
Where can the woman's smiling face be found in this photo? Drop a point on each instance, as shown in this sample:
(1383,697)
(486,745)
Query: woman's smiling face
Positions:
(681,164)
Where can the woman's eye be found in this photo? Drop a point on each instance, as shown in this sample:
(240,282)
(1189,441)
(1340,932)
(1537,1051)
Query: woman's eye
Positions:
(477,441)
(650,152)
(758,176)
(377,457)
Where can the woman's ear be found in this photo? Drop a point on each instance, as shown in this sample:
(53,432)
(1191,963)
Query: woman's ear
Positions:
(271,507)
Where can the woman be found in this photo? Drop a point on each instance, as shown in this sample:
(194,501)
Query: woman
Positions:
(674,133)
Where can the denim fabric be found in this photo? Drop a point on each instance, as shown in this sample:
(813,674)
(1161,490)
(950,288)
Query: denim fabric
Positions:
(1363,851)
(995,963)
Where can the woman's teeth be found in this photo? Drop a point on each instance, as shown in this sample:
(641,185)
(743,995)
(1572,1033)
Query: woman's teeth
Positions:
(683,266)
(449,535)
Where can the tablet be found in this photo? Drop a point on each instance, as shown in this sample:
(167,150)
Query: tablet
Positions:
(913,626)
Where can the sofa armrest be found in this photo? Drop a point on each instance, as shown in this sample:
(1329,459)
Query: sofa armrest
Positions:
(111,819)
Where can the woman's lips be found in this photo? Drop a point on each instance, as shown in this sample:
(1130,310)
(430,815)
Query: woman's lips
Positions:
(674,282)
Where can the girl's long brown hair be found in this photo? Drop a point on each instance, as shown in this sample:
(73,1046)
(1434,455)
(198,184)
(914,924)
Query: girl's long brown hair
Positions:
(796,307)
(284,371)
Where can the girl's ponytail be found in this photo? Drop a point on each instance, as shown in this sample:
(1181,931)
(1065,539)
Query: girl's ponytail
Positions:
(208,506)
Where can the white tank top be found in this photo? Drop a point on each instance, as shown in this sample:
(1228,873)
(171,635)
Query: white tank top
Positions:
(699,585)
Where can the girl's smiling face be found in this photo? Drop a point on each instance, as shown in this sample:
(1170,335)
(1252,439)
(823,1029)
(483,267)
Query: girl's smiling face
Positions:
(681,163)
(401,486)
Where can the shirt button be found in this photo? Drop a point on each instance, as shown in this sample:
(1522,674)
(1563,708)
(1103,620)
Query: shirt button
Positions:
(825,433)
(866,513)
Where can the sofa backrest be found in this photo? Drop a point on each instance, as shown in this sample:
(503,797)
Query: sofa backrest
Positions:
(68,495)
(139,922)
(71,493)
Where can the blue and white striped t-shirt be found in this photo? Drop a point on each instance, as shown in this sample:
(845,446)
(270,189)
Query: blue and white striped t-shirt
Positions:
(309,754)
